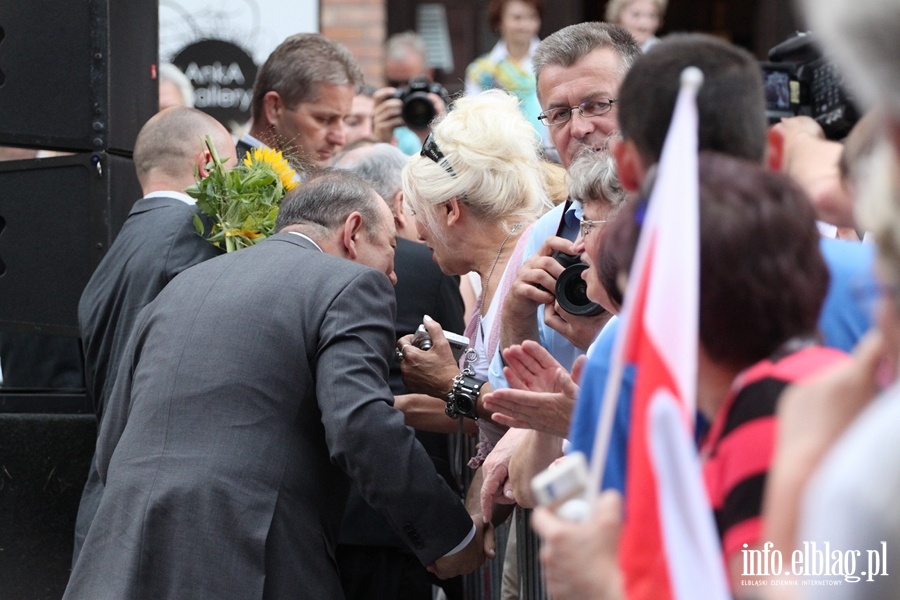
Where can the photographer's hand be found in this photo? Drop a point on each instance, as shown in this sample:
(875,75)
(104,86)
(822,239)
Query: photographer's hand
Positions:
(580,330)
(798,147)
(533,286)
(387,115)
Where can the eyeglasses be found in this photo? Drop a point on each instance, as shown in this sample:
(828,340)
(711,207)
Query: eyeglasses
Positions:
(589,108)
(430,150)
(586,225)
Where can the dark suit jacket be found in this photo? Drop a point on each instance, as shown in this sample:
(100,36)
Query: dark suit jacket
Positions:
(157,242)
(242,148)
(252,391)
(421,289)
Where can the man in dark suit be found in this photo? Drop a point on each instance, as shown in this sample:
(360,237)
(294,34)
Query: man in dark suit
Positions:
(301,96)
(252,391)
(374,562)
(157,242)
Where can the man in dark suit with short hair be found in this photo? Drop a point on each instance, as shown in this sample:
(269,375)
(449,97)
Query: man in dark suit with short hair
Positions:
(252,391)
(157,242)
(373,561)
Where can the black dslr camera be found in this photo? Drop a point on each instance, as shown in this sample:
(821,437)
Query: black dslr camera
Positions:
(799,81)
(571,289)
(418,110)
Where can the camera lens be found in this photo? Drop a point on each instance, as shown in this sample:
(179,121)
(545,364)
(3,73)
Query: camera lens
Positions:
(571,292)
(418,110)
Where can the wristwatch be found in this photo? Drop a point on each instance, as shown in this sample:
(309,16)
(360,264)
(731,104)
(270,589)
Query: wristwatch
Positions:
(463,397)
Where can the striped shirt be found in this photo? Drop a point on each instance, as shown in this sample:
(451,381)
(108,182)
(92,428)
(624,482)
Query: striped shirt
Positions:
(741,442)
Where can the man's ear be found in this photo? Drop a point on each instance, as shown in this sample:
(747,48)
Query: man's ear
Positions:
(202,159)
(775,148)
(351,231)
(629,164)
(400,217)
(272,107)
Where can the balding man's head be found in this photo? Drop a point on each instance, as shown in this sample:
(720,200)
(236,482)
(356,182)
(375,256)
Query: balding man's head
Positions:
(172,142)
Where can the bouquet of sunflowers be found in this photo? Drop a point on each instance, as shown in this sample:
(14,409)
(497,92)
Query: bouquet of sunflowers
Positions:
(242,202)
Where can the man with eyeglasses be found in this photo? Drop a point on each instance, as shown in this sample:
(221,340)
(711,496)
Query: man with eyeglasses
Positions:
(578,92)
(579,70)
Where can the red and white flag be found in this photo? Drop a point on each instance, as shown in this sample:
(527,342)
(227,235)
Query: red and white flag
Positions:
(669,547)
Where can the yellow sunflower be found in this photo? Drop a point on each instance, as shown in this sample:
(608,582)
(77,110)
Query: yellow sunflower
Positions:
(276,161)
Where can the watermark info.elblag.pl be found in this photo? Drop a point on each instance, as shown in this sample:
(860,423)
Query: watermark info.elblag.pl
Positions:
(812,564)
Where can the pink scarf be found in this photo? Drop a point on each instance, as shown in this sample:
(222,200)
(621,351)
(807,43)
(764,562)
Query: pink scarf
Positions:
(489,433)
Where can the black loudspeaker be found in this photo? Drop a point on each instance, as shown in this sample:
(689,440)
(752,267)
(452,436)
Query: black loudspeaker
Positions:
(77,75)
(58,216)
(44,461)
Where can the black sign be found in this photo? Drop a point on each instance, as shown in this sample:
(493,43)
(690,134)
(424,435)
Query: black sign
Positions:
(223,75)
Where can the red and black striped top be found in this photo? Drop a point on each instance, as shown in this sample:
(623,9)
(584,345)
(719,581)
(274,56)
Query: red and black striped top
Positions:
(740,444)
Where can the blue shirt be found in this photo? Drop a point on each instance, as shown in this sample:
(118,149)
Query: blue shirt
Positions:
(562,349)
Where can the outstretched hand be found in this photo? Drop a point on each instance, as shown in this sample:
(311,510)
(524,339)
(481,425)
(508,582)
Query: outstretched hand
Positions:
(542,396)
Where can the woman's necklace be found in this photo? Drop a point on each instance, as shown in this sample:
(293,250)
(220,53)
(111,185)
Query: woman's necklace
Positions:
(471,355)
(487,281)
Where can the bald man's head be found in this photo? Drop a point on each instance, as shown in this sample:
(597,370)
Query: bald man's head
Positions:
(172,142)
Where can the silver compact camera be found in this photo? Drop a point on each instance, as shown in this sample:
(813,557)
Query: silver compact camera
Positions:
(458,343)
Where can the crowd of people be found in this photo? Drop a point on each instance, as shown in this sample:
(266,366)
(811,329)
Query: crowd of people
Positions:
(272,425)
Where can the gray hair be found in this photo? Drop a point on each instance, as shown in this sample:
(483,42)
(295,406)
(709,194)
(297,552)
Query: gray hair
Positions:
(297,67)
(380,164)
(401,45)
(171,73)
(324,202)
(593,177)
(570,44)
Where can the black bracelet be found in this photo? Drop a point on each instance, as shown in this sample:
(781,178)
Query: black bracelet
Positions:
(462,400)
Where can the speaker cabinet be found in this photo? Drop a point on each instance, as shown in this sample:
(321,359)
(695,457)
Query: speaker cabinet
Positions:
(44,461)
(77,75)
(58,216)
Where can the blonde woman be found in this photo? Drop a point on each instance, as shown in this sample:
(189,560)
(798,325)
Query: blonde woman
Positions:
(475,188)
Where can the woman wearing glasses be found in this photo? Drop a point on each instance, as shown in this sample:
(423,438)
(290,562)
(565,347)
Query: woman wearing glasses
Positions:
(475,188)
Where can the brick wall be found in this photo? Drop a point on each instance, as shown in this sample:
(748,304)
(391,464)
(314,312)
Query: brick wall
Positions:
(361,26)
